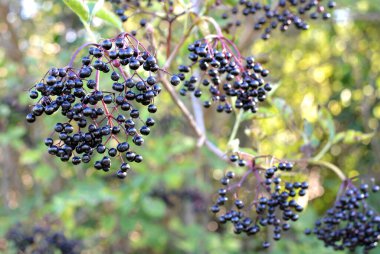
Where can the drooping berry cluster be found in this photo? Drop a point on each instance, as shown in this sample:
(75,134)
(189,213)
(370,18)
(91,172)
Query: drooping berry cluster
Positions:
(121,7)
(101,102)
(41,240)
(272,204)
(281,14)
(351,223)
(224,74)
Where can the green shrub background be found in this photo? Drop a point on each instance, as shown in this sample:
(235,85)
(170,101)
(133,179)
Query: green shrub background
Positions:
(327,96)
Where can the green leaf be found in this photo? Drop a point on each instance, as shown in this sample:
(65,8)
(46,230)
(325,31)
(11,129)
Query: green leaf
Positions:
(153,207)
(262,113)
(314,141)
(107,223)
(110,18)
(308,129)
(203,27)
(127,225)
(352,136)
(248,150)
(79,8)
(94,7)
(327,122)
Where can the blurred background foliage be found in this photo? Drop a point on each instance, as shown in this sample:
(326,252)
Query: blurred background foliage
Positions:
(325,106)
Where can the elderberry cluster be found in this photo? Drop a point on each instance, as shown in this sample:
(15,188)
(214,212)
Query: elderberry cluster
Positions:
(224,74)
(101,103)
(41,240)
(273,204)
(350,223)
(280,15)
(121,7)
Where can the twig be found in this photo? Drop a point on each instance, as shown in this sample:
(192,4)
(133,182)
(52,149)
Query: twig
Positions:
(179,45)
(169,39)
(323,151)
(213,148)
(236,126)
(330,166)
(70,65)
(185,111)
(199,119)
(191,120)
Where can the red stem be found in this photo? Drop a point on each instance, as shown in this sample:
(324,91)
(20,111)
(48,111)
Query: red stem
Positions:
(168,40)
(78,50)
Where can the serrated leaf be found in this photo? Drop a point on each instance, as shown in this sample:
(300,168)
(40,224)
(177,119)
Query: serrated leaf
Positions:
(110,18)
(79,8)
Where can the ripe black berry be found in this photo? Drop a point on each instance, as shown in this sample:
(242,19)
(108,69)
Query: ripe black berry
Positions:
(98,120)
(351,223)
(279,14)
(271,204)
(226,77)
(41,239)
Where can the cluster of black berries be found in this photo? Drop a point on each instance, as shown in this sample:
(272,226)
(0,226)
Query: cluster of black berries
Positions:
(100,102)
(280,15)
(350,223)
(137,7)
(224,74)
(273,203)
(172,197)
(41,240)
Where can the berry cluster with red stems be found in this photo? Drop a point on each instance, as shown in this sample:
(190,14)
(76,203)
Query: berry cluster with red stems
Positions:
(278,15)
(220,73)
(104,98)
(351,223)
(101,102)
(271,204)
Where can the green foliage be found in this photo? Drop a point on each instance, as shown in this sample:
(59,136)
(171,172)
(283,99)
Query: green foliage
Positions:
(326,103)
(80,8)
(109,17)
